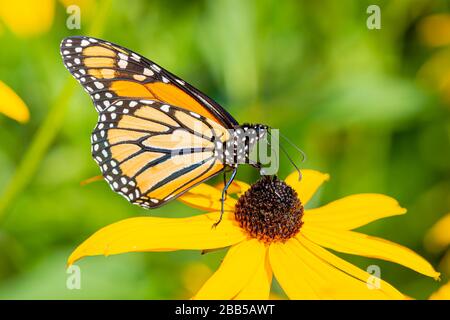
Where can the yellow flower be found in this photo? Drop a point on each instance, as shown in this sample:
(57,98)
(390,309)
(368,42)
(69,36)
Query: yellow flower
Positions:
(27,18)
(11,104)
(438,238)
(434,30)
(442,294)
(296,257)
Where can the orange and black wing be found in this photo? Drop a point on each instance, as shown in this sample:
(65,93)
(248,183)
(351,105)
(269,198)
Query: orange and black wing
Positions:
(157,136)
(109,72)
(151,152)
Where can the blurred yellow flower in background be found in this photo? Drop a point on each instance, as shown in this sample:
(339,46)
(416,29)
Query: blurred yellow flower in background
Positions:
(436,241)
(434,30)
(442,294)
(12,105)
(438,238)
(27,18)
(270,233)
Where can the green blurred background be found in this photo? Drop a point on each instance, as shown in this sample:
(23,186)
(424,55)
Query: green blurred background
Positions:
(370,107)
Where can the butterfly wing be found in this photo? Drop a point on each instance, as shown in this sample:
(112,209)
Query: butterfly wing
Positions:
(109,72)
(157,136)
(150,152)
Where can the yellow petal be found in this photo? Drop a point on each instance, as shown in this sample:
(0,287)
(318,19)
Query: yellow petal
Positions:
(363,245)
(438,238)
(236,270)
(193,276)
(27,17)
(347,267)
(353,211)
(442,294)
(236,187)
(206,197)
(161,234)
(308,185)
(326,281)
(258,288)
(293,275)
(11,104)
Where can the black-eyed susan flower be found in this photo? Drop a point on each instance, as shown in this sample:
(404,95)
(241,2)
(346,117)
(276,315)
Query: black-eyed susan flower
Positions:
(270,233)
(12,105)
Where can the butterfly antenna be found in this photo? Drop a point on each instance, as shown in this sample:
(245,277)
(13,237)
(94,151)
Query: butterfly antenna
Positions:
(292,162)
(289,158)
(293,145)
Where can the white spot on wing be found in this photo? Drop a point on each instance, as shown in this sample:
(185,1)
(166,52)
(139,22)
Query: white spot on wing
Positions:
(148,72)
(99,85)
(122,64)
(135,57)
(139,77)
(156,68)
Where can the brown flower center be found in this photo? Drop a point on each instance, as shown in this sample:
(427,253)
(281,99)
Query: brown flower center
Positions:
(270,210)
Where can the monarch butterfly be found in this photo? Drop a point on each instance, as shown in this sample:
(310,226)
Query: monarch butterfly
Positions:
(157,136)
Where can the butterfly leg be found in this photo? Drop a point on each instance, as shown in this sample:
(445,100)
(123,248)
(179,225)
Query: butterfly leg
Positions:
(224,192)
(225,181)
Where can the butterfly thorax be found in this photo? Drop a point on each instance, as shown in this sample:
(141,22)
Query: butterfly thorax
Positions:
(237,149)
